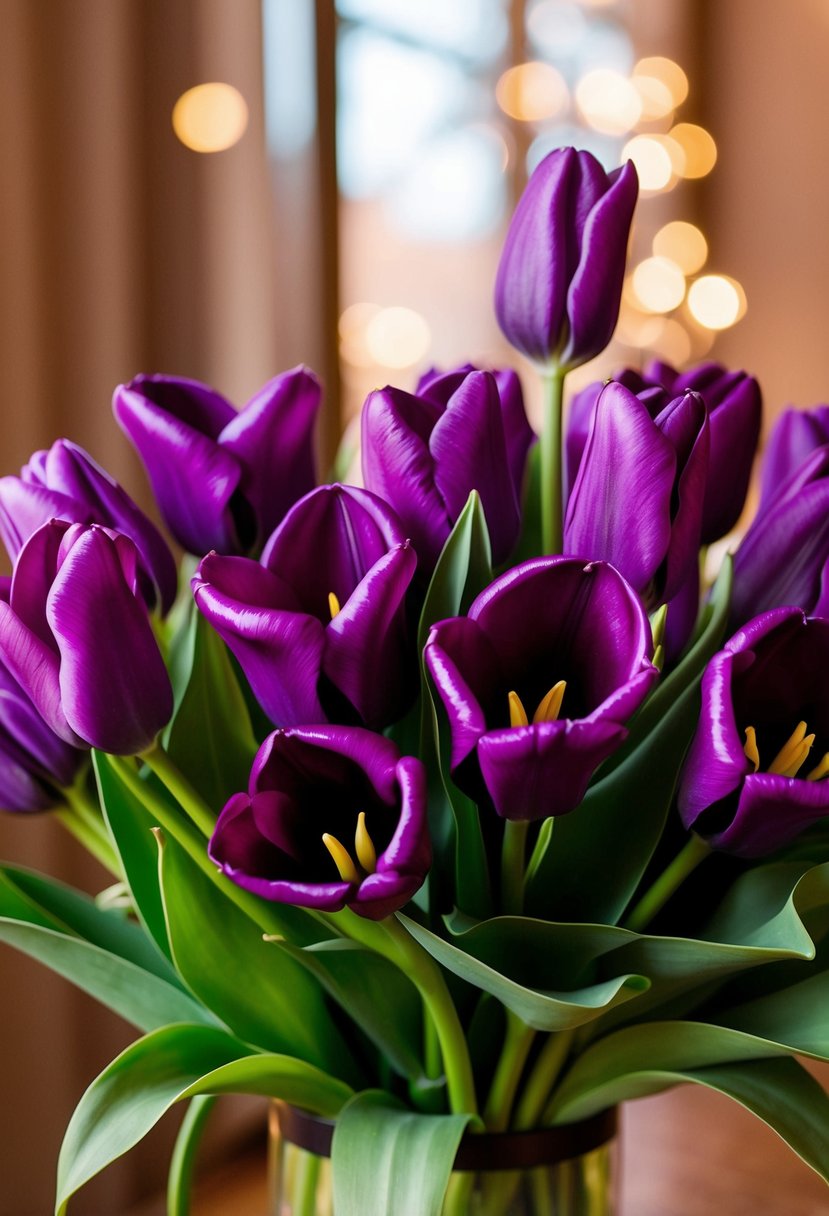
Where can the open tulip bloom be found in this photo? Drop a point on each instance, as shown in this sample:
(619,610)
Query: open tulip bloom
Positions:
(404,791)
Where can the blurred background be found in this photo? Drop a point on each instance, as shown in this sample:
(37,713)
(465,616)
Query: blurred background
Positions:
(225,188)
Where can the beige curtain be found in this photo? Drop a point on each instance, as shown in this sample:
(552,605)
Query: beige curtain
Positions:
(120,251)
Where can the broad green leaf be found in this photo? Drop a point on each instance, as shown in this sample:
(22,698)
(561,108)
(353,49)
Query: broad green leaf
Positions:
(210,737)
(376,994)
(598,853)
(140,997)
(257,989)
(170,1065)
(463,570)
(387,1161)
(57,906)
(795,1016)
(130,825)
(542,1008)
(780,1092)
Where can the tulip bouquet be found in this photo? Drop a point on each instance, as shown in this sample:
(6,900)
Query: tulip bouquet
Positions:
(459,802)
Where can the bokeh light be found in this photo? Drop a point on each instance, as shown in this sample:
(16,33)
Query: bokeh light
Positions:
(352,327)
(716,301)
(658,285)
(683,243)
(651,155)
(699,148)
(656,98)
(669,73)
(530,92)
(672,343)
(397,337)
(210,117)
(608,101)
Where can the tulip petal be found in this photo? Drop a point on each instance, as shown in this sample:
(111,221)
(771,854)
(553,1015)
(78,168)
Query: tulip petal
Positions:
(684,422)
(193,478)
(278,647)
(467,673)
(793,438)
(365,653)
(604,519)
(274,431)
(115,690)
(772,811)
(36,668)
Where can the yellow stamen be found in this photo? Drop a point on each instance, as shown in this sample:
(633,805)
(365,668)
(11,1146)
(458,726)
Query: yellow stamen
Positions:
(342,858)
(333,604)
(364,845)
(790,749)
(820,770)
(750,747)
(517,712)
(799,757)
(549,706)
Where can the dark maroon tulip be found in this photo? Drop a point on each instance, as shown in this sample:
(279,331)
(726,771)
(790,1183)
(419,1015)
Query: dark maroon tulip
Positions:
(784,556)
(735,409)
(560,277)
(519,435)
(424,457)
(755,776)
(75,635)
(638,497)
(320,625)
(34,762)
(223,478)
(66,483)
(794,436)
(521,742)
(333,817)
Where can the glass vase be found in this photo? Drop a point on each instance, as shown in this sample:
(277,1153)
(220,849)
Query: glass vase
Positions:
(562,1171)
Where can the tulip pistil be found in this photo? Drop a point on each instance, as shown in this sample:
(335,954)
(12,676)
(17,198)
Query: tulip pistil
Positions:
(791,757)
(333,604)
(349,870)
(549,707)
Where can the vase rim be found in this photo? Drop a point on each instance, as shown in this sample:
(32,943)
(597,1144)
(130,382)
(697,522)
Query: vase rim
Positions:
(484,1151)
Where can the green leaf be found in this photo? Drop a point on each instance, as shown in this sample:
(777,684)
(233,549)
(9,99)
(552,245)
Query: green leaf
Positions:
(543,1009)
(530,543)
(140,997)
(387,1161)
(210,737)
(183,1162)
(168,1066)
(376,994)
(597,854)
(41,900)
(463,570)
(780,1092)
(130,825)
(257,989)
(795,1016)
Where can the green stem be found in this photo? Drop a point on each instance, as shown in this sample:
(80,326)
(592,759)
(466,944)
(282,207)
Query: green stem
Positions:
(82,817)
(551,462)
(182,1164)
(391,939)
(513,851)
(517,1043)
(672,877)
(181,789)
(542,1079)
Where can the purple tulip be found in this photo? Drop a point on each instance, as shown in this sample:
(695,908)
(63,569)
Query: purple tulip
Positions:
(76,637)
(794,436)
(755,776)
(66,483)
(784,556)
(333,817)
(560,277)
(519,435)
(538,681)
(424,457)
(223,478)
(735,409)
(320,625)
(638,497)
(34,762)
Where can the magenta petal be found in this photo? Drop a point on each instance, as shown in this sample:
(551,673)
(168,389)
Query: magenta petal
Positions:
(793,438)
(366,654)
(36,668)
(193,478)
(467,673)
(685,424)
(114,687)
(771,812)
